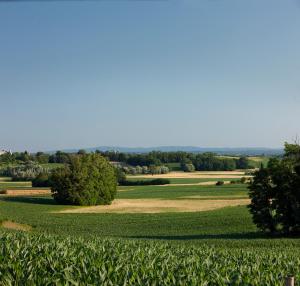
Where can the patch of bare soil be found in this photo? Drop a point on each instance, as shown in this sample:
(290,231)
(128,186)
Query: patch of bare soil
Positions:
(158,206)
(15,226)
(28,192)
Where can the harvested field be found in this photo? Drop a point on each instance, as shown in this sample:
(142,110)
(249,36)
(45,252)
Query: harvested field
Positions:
(158,206)
(15,226)
(25,192)
(195,175)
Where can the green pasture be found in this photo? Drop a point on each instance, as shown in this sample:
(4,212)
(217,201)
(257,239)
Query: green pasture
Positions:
(179,192)
(4,185)
(173,166)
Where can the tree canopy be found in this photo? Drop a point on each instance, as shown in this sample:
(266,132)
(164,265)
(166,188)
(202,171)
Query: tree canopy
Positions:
(275,194)
(88,179)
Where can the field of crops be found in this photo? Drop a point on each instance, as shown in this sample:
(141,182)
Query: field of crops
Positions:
(49,260)
(219,247)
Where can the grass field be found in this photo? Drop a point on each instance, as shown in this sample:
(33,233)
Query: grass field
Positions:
(217,247)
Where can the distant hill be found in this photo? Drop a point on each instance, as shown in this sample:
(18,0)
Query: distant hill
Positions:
(251,151)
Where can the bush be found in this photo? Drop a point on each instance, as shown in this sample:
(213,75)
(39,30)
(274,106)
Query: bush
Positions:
(219,183)
(274,193)
(43,180)
(121,176)
(88,179)
(146,182)
(243,180)
(188,167)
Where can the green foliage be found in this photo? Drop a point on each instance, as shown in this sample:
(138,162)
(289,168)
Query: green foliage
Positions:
(242,163)
(24,172)
(145,170)
(88,179)
(50,260)
(42,180)
(275,194)
(145,182)
(210,162)
(120,174)
(187,167)
(220,183)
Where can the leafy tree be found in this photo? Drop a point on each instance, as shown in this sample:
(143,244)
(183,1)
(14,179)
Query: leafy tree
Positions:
(242,163)
(188,167)
(41,157)
(275,194)
(88,179)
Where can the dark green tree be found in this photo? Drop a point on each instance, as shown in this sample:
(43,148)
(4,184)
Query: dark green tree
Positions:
(275,194)
(88,179)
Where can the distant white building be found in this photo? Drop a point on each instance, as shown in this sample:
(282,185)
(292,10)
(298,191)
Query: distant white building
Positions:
(4,152)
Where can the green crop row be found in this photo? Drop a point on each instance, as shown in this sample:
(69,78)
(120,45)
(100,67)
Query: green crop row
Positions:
(27,259)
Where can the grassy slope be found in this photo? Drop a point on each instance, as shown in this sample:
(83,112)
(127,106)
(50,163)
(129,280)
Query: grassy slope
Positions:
(226,227)
(178,192)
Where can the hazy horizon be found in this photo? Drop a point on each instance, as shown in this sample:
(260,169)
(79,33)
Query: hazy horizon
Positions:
(78,74)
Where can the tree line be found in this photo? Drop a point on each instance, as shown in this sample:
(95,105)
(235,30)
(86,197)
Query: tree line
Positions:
(188,161)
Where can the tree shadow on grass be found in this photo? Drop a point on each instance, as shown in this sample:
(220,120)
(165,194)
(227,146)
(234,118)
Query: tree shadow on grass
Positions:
(31,200)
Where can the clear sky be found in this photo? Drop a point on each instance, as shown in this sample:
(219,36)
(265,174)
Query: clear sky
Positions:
(210,73)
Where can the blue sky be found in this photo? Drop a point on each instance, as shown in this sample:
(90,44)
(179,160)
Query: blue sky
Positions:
(215,73)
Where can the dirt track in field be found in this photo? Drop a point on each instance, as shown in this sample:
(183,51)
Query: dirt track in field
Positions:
(158,206)
(15,226)
(28,192)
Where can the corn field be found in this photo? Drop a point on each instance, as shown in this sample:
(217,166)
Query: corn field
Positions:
(27,259)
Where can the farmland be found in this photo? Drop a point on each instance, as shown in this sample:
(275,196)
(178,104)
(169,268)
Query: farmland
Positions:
(218,246)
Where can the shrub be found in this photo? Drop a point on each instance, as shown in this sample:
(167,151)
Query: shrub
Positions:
(219,183)
(188,167)
(121,176)
(146,182)
(243,180)
(42,180)
(88,179)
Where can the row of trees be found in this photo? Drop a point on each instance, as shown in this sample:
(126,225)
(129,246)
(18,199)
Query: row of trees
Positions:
(39,157)
(201,162)
(152,169)
(25,172)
